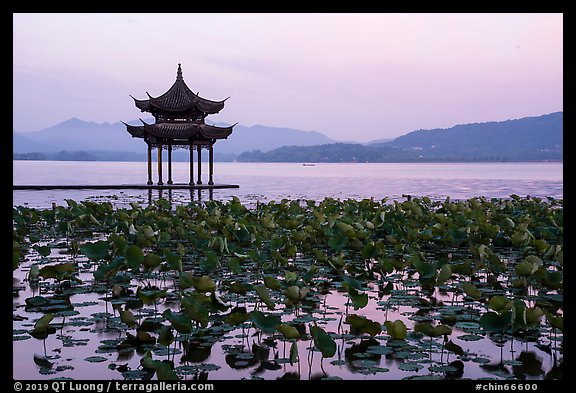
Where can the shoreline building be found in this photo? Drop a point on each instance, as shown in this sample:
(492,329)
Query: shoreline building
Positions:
(179,116)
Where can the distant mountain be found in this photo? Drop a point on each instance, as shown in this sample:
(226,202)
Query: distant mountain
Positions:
(79,135)
(267,138)
(335,152)
(527,139)
(75,135)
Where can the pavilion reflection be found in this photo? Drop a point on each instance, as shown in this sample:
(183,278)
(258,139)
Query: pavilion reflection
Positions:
(196,195)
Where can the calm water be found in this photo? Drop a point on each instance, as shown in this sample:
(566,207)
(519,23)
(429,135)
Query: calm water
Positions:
(272,181)
(265,182)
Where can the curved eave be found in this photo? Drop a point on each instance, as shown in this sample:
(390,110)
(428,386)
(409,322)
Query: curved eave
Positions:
(143,105)
(135,131)
(213,132)
(211,107)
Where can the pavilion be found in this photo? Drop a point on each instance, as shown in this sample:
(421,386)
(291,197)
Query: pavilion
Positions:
(179,117)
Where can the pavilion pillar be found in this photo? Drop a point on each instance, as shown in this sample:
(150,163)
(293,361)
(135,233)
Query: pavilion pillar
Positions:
(149,165)
(170,163)
(211,164)
(191,183)
(199,165)
(160,163)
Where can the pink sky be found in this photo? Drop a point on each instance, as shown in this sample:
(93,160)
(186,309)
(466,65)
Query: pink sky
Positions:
(350,76)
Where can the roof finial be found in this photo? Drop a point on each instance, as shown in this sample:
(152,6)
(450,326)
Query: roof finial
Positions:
(179,73)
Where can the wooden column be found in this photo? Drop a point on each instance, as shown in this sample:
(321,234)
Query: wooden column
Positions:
(211,164)
(170,163)
(160,163)
(191,183)
(199,165)
(149,165)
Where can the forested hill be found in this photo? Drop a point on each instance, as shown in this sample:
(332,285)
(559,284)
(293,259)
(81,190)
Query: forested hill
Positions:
(527,139)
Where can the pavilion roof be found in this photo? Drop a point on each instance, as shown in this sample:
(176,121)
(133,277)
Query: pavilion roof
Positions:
(179,98)
(180,131)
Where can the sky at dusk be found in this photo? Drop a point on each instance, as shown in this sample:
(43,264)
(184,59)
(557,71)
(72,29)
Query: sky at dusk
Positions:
(354,77)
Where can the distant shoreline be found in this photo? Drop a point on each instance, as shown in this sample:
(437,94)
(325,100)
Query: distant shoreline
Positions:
(314,163)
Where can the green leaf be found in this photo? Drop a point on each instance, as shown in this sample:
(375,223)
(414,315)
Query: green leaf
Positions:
(210,262)
(236,317)
(396,329)
(134,256)
(128,318)
(95,251)
(239,288)
(533,315)
(152,260)
(195,309)
(107,270)
(58,271)
(42,362)
(164,372)
(234,265)
(150,295)
(290,277)
(518,314)
(363,324)
(493,322)
(295,293)
(369,251)
(265,296)
(457,349)
(555,321)
(471,290)
(272,283)
(432,331)
(166,337)
(204,284)
(266,323)
(289,332)
(499,303)
(525,268)
(173,260)
(147,362)
(323,341)
(186,280)
(217,303)
(179,321)
(444,274)
(44,251)
(359,300)
(34,272)
(43,322)
(293,353)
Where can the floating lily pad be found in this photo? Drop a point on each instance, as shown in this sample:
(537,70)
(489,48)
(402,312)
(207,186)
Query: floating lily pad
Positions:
(470,337)
(409,366)
(96,359)
(379,350)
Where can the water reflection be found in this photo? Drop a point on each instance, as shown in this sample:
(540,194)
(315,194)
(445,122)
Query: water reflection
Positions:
(195,195)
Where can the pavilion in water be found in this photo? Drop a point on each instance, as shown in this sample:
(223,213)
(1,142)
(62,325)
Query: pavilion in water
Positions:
(179,123)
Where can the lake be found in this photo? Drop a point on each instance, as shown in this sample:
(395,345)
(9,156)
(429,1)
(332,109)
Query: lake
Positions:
(91,339)
(274,181)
